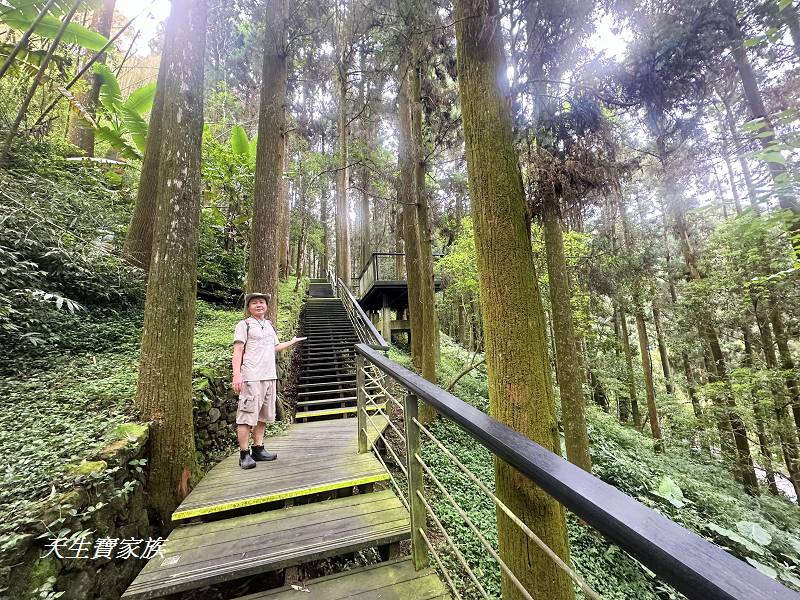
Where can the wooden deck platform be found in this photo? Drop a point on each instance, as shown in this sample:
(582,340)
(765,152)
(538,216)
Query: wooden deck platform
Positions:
(196,556)
(312,458)
(395,580)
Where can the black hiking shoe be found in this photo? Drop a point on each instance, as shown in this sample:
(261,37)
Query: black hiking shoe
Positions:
(259,453)
(246,461)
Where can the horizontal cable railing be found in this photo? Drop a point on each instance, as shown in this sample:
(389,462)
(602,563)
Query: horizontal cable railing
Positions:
(388,394)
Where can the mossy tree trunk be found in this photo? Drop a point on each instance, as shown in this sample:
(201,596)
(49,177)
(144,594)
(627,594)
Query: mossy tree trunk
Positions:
(80,133)
(416,229)
(520,390)
(644,340)
(164,391)
(343,268)
(285,210)
(323,217)
(662,349)
(265,229)
(568,357)
(626,348)
(138,247)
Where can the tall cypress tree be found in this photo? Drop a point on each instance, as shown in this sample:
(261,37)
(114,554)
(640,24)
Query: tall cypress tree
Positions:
(520,390)
(164,391)
(265,230)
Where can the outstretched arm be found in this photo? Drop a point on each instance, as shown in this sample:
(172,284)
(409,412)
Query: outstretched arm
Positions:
(289,344)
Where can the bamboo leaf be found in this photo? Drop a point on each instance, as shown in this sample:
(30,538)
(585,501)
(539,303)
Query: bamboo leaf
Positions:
(110,94)
(141,100)
(239,142)
(765,569)
(136,127)
(49,27)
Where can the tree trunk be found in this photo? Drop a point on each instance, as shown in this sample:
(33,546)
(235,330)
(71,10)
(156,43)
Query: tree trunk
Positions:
(138,247)
(323,217)
(790,16)
(520,390)
(662,350)
(285,215)
(626,347)
(737,203)
(764,441)
(82,134)
(752,194)
(778,171)
(343,269)
(265,233)
(787,363)
(568,357)
(164,390)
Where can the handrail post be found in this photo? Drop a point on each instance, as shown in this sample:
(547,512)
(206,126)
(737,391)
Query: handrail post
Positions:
(361,405)
(419,518)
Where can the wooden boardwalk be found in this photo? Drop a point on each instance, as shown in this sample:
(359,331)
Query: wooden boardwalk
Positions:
(316,501)
(313,457)
(208,553)
(394,580)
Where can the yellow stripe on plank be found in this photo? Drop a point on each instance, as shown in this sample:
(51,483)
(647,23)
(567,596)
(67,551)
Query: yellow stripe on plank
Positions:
(335,411)
(216,508)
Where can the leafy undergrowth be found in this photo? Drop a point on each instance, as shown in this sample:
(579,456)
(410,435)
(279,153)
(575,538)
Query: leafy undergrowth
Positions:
(61,408)
(692,490)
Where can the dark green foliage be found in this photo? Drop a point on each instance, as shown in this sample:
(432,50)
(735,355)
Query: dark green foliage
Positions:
(59,234)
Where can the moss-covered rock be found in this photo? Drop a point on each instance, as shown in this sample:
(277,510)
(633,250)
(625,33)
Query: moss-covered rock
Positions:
(37,573)
(87,467)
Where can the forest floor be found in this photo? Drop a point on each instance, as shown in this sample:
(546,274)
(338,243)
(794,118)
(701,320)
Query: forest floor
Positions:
(692,489)
(60,410)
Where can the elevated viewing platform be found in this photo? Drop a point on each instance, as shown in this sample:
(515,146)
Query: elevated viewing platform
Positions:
(382,287)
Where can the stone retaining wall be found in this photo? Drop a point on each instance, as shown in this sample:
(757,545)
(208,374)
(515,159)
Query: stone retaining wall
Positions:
(106,501)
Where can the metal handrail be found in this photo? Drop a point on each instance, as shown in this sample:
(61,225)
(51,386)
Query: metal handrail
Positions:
(366,330)
(692,565)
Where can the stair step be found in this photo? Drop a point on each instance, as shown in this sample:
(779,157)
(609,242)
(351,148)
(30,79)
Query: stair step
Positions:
(317,377)
(340,371)
(317,393)
(393,580)
(329,384)
(349,364)
(325,412)
(204,554)
(326,401)
(343,354)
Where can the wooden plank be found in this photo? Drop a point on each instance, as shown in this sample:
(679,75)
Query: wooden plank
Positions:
(395,580)
(209,553)
(312,458)
(347,410)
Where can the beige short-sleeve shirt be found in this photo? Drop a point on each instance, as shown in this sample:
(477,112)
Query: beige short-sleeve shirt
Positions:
(258,362)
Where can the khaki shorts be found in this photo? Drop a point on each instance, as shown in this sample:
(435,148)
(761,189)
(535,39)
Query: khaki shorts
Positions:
(256,402)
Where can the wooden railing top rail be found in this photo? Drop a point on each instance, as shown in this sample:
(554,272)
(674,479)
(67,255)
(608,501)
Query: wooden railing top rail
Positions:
(691,564)
(373,255)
